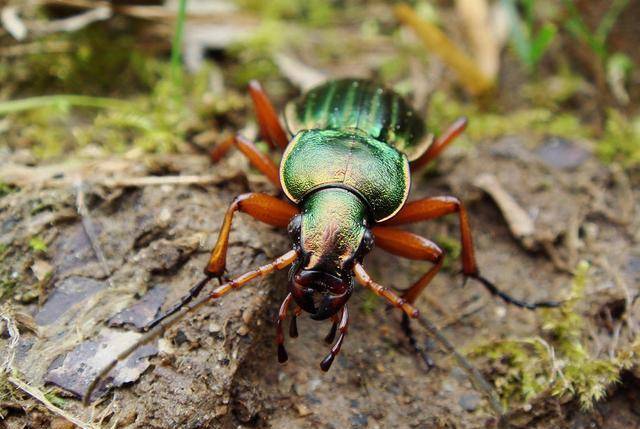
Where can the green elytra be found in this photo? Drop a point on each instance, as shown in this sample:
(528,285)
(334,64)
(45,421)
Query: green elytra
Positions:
(347,164)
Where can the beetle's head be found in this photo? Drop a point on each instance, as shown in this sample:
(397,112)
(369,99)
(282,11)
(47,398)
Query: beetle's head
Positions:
(331,235)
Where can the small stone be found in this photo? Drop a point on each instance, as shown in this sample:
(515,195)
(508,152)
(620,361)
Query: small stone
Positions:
(303,410)
(469,402)
(61,423)
(562,154)
(243,330)
(222,410)
(41,269)
(214,328)
(247,315)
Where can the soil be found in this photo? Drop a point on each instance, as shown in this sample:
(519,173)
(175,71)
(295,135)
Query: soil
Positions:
(219,369)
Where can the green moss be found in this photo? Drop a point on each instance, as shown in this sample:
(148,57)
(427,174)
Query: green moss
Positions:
(558,362)
(52,396)
(37,244)
(310,12)
(6,189)
(443,110)
(8,285)
(452,249)
(370,302)
(621,140)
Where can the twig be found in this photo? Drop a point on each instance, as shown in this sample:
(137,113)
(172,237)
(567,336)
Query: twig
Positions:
(12,22)
(89,229)
(72,23)
(519,222)
(159,181)
(434,39)
(474,375)
(39,396)
(14,336)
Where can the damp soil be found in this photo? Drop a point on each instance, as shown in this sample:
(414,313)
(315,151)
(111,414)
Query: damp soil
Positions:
(218,368)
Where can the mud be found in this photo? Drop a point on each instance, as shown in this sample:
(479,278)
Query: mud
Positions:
(218,368)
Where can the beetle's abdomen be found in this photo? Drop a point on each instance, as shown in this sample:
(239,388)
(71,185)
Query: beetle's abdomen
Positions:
(361,104)
(349,158)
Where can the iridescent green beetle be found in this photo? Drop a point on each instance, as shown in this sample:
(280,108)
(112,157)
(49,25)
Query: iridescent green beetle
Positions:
(345,172)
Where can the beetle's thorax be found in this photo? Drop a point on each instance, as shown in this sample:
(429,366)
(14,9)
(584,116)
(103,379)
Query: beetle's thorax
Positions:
(331,234)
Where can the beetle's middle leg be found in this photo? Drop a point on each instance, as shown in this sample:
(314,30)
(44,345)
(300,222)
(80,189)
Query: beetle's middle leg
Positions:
(435,207)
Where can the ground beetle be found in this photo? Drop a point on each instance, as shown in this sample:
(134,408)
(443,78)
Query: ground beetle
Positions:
(346,174)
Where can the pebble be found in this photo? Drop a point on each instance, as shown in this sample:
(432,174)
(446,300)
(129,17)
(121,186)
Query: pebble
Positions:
(303,410)
(469,401)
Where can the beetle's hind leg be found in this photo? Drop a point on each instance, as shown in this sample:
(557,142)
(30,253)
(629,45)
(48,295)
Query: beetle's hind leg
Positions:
(435,207)
(271,130)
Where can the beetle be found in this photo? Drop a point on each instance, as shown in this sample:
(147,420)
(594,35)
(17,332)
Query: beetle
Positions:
(348,151)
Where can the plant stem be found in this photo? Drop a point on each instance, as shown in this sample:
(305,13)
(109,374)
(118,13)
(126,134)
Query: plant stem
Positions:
(176,48)
(13,106)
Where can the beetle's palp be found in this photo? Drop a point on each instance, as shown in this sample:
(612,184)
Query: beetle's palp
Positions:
(264,270)
(282,315)
(342,328)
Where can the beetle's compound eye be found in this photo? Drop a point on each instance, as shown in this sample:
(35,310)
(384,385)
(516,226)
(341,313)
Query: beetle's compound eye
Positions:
(294,228)
(319,293)
(367,243)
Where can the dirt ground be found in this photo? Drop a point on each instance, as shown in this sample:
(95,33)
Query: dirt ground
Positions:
(218,369)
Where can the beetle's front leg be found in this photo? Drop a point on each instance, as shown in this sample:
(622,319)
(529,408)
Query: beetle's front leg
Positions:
(411,246)
(262,207)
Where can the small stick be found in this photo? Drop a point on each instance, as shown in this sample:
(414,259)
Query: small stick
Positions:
(89,229)
(468,73)
(474,375)
(39,396)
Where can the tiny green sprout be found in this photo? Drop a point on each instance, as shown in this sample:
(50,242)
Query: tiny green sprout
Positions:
(369,303)
(529,45)
(37,244)
(452,249)
(6,189)
(56,400)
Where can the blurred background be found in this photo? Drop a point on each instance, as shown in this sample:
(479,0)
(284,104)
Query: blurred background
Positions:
(566,67)
(108,109)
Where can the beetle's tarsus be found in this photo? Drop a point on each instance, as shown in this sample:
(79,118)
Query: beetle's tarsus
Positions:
(413,343)
(493,289)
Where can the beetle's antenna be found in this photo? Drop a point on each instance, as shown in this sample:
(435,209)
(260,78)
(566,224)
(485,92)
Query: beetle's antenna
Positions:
(472,372)
(264,270)
(186,299)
